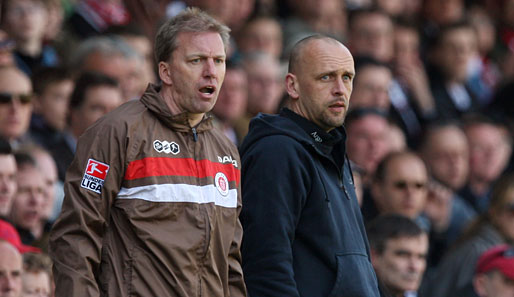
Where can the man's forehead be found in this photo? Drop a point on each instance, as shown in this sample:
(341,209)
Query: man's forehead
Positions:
(8,251)
(406,242)
(207,40)
(327,55)
(14,80)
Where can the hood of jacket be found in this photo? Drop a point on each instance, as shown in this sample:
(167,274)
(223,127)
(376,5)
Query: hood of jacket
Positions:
(264,125)
(153,100)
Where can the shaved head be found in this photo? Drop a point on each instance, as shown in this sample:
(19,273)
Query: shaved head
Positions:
(296,52)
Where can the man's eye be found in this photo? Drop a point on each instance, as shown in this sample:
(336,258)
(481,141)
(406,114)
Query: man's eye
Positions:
(195,61)
(325,77)
(347,77)
(219,61)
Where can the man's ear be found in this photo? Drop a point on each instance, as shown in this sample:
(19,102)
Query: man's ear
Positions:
(479,284)
(165,73)
(292,86)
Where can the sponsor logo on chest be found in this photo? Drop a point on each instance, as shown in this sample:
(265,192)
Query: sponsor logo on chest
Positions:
(227,159)
(166,147)
(94,176)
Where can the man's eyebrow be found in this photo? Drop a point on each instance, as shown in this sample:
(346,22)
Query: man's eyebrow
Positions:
(201,55)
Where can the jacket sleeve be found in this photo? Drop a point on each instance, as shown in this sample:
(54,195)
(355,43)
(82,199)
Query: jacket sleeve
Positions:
(275,184)
(77,235)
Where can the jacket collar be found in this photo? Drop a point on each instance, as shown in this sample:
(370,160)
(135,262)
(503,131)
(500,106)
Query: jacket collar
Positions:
(153,100)
(321,139)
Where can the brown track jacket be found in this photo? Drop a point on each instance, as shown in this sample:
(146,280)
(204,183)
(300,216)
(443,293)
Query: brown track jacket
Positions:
(151,208)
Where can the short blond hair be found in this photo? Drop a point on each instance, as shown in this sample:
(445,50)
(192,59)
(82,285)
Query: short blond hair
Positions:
(189,20)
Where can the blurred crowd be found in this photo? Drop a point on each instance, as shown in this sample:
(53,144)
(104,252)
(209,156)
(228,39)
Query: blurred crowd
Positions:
(429,132)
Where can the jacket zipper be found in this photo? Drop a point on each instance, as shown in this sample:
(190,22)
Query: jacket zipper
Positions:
(195,135)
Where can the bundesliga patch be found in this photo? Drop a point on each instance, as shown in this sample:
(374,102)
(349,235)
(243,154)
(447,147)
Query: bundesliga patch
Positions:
(94,176)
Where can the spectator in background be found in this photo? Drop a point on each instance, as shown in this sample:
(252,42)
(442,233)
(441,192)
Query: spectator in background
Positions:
(264,83)
(394,8)
(490,148)
(484,71)
(440,12)
(399,187)
(399,249)
(135,37)
(437,13)
(10,270)
(7,178)
(265,88)
(367,143)
(53,188)
(494,227)
(112,57)
(233,14)
(94,95)
(27,213)
(52,89)
(25,22)
(450,55)
(371,34)
(494,274)
(410,92)
(444,148)
(314,16)
(37,276)
(15,105)
(261,34)
(371,85)
(55,19)
(232,101)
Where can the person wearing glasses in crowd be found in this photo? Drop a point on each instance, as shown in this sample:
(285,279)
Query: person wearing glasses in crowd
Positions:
(399,186)
(15,105)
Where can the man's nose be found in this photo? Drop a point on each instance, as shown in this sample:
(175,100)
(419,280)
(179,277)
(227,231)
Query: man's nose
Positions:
(209,69)
(339,87)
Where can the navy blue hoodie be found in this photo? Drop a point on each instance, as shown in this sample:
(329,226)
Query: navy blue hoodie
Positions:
(303,229)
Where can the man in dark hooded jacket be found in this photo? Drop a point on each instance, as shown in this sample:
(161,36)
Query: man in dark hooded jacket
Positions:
(303,230)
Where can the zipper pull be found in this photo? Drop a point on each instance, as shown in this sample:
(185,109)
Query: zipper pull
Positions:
(195,136)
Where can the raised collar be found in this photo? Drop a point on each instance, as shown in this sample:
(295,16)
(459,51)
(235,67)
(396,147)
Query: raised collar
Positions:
(153,100)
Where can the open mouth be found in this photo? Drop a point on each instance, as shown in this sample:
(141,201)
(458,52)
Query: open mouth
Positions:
(207,90)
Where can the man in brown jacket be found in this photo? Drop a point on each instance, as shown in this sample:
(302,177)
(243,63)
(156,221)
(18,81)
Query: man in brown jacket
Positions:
(153,194)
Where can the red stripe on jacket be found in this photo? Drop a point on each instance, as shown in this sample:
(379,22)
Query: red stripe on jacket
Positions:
(161,166)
